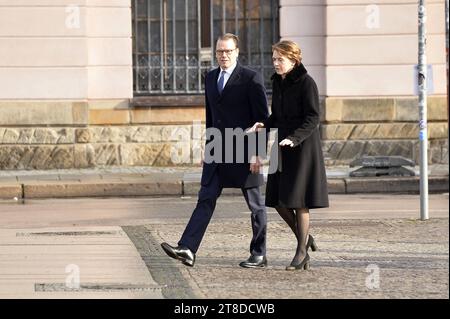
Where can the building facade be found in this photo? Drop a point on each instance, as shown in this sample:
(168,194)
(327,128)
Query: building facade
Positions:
(93,83)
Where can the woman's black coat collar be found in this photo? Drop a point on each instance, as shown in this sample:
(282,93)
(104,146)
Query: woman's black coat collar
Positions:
(293,76)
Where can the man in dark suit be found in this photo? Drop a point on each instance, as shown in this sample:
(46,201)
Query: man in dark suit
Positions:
(235,99)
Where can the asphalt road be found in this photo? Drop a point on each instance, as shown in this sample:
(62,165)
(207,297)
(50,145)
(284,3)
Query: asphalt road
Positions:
(370,246)
(144,210)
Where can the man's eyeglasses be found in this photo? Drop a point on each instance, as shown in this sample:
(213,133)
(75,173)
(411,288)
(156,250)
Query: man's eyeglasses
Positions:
(227,52)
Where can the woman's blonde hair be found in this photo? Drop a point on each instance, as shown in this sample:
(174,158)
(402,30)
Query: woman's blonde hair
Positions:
(289,49)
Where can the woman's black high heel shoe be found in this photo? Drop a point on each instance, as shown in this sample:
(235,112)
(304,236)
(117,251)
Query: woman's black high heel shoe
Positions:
(303,265)
(311,243)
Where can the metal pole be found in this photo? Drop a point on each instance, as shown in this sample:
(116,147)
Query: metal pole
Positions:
(423,134)
(446,54)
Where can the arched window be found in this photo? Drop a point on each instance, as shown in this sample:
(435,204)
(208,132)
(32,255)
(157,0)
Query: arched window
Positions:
(173,40)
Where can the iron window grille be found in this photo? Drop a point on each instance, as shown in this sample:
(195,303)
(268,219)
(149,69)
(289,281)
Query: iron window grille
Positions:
(173,41)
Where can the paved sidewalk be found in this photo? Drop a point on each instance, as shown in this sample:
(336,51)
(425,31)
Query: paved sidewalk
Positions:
(362,259)
(370,246)
(154,181)
(72,262)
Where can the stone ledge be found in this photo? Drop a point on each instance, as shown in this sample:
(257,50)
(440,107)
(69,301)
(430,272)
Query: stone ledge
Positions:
(395,185)
(191,188)
(16,113)
(336,186)
(359,109)
(168,100)
(108,189)
(137,187)
(167,115)
(366,109)
(10,191)
(104,117)
(408,110)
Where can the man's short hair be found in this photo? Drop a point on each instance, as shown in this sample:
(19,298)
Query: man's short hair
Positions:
(228,36)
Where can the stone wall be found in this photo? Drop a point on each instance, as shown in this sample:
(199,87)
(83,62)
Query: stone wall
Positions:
(66,50)
(63,135)
(69,147)
(129,136)
(362,55)
(66,87)
(382,126)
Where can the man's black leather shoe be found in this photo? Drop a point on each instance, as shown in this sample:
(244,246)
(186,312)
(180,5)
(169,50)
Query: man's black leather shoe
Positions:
(182,253)
(254,262)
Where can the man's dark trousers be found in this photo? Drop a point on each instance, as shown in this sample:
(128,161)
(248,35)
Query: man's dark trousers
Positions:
(204,210)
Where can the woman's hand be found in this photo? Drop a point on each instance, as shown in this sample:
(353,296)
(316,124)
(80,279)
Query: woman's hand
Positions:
(255,128)
(287,142)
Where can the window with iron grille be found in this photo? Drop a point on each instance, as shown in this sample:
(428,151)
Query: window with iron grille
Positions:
(173,41)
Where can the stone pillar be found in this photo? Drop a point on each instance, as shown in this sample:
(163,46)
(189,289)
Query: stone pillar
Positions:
(304,21)
(362,55)
(70,58)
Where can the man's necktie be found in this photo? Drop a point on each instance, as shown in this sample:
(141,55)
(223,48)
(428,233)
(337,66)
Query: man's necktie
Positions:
(221,81)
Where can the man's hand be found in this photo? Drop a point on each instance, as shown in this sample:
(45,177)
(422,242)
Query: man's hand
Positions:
(287,142)
(255,164)
(255,128)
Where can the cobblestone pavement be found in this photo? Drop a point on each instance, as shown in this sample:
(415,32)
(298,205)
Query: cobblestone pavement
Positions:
(388,258)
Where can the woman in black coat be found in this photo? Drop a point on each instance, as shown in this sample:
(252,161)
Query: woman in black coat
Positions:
(299,183)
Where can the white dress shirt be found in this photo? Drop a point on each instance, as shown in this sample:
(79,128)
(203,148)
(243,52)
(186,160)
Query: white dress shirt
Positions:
(227,74)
